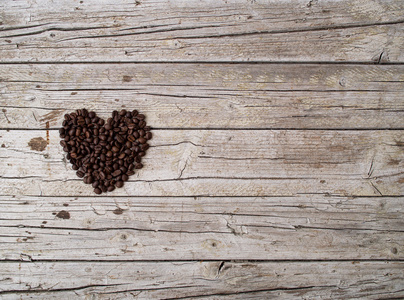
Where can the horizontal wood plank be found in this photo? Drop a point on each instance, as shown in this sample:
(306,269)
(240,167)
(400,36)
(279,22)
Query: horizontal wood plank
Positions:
(207,96)
(221,163)
(219,280)
(168,228)
(365,31)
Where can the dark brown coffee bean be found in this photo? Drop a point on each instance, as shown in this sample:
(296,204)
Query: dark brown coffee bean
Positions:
(138,166)
(111,188)
(80,174)
(91,114)
(148,135)
(104,189)
(120,139)
(97,191)
(142,140)
(116,173)
(115,149)
(125,177)
(129,173)
(95,184)
(119,184)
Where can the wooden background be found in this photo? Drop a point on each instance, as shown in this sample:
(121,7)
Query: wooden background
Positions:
(276,167)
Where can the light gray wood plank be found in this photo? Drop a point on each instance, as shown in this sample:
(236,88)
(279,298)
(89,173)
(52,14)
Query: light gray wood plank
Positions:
(302,227)
(213,280)
(221,163)
(207,96)
(365,31)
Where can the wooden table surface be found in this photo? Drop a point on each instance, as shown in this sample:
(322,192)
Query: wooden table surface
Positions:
(276,166)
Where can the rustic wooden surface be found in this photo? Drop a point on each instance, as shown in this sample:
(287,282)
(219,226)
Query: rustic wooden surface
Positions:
(276,167)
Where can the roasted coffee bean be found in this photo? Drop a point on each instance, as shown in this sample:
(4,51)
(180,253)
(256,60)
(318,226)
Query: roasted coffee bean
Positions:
(116,173)
(119,184)
(104,154)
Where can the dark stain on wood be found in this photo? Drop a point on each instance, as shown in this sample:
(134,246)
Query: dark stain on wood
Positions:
(118,211)
(52,116)
(3,146)
(73,93)
(37,144)
(126,78)
(394,162)
(65,204)
(63,214)
(47,132)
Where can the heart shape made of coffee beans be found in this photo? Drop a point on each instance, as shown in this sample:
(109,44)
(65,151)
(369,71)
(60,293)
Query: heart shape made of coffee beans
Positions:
(103,153)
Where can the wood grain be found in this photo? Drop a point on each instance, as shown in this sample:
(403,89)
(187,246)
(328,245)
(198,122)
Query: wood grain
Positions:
(210,280)
(301,31)
(222,163)
(207,95)
(200,228)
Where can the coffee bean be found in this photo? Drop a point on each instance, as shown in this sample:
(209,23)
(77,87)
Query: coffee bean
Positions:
(116,173)
(80,174)
(104,154)
(119,184)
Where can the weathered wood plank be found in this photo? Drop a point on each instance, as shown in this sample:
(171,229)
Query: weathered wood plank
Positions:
(236,280)
(366,31)
(207,96)
(222,163)
(144,228)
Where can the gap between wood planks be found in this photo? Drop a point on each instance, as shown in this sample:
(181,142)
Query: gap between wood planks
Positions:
(222,62)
